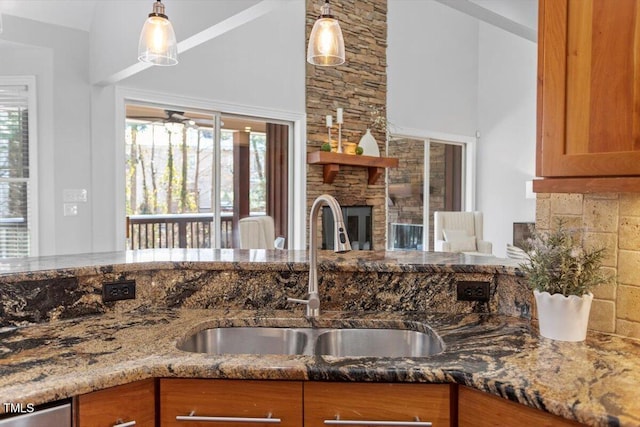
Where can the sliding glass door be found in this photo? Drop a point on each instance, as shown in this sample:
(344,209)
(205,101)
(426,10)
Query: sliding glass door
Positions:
(430,177)
(192,175)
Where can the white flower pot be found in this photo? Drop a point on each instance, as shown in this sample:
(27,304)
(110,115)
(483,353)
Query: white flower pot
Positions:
(563,318)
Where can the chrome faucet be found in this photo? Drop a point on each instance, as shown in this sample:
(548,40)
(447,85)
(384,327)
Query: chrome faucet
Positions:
(341,244)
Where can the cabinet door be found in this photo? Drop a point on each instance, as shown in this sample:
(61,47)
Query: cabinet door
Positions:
(202,402)
(588,88)
(119,405)
(407,403)
(478,409)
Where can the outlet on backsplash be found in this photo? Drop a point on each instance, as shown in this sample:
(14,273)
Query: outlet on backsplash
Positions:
(473,291)
(117,291)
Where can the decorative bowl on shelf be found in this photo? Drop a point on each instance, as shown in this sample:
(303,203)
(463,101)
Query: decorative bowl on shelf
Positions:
(349,147)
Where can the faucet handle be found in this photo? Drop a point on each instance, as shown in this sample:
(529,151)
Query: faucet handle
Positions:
(313,301)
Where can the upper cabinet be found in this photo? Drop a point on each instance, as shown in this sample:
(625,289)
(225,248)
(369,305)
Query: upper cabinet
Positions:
(588,96)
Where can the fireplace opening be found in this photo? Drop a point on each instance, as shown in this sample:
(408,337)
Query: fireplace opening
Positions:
(358,222)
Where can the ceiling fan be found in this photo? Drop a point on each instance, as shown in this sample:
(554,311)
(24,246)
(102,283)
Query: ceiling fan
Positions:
(169,116)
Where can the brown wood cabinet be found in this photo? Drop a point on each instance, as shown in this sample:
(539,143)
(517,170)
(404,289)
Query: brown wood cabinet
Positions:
(199,402)
(377,402)
(119,405)
(182,401)
(588,96)
(479,409)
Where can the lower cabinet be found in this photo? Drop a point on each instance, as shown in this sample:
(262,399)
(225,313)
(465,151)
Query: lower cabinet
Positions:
(125,405)
(206,402)
(479,409)
(374,403)
(189,402)
(185,402)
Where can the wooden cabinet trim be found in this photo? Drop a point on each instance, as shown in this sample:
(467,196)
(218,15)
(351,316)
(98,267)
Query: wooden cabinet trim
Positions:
(587,185)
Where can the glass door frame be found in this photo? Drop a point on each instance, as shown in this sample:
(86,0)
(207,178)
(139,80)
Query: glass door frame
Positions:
(468,202)
(297,155)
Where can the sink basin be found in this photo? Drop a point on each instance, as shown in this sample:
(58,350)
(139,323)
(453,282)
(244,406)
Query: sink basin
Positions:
(314,341)
(377,343)
(246,340)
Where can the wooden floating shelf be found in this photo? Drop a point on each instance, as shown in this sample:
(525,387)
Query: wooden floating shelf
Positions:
(332,161)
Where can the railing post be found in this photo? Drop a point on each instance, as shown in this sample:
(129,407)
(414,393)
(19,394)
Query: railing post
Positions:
(182,234)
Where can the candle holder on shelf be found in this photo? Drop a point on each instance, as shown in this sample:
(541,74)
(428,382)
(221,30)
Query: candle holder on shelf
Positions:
(339,120)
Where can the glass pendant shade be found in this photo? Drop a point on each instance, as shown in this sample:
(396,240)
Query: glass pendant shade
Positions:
(158,43)
(326,44)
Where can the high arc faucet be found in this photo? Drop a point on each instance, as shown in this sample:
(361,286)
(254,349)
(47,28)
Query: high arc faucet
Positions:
(341,245)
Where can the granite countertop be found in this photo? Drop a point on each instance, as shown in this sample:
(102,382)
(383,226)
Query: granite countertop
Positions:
(38,268)
(593,382)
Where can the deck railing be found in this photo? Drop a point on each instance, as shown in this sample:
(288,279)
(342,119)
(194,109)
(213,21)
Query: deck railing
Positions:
(191,230)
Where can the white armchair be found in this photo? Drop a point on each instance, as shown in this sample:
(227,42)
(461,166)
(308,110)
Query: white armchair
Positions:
(258,232)
(459,232)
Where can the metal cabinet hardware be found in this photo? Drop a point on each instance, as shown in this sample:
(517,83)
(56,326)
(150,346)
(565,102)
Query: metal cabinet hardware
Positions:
(416,423)
(193,417)
(121,423)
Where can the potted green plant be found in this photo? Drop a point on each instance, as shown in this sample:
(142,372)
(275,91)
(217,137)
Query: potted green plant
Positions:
(562,273)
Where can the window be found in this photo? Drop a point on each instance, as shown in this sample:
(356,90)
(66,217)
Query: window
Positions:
(18,218)
(431,177)
(178,165)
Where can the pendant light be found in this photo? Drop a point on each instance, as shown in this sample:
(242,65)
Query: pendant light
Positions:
(157,43)
(326,44)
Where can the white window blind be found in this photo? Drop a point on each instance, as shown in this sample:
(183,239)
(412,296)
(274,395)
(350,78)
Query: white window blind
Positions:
(17,218)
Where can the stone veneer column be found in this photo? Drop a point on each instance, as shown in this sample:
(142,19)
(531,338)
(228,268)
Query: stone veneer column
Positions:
(613,220)
(358,84)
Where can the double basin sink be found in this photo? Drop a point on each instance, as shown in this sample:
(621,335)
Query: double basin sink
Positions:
(354,342)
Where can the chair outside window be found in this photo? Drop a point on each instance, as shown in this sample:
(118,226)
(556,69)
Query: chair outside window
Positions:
(460,232)
(258,232)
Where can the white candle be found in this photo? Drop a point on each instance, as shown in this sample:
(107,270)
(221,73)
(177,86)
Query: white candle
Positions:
(339,118)
(329,120)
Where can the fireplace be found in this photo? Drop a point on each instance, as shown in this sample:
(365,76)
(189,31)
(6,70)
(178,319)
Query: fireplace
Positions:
(358,222)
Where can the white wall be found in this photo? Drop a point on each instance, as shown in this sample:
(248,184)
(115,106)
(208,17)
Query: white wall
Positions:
(433,61)
(116,28)
(261,64)
(507,124)
(57,56)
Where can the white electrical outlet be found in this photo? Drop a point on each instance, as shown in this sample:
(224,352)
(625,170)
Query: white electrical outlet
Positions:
(70,195)
(70,209)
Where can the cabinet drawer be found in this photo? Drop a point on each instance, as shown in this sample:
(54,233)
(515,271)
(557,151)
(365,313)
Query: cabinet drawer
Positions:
(219,399)
(117,405)
(480,409)
(376,402)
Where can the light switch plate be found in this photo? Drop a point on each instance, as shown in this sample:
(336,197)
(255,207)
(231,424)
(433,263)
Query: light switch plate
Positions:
(71,195)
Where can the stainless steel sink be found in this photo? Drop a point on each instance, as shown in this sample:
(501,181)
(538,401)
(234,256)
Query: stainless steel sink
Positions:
(314,341)
(246,340)
(377,343)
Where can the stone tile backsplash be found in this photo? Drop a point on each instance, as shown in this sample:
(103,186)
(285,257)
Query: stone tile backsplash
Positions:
(611,220)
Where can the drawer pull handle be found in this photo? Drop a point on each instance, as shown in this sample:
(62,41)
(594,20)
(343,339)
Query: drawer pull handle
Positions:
(416,423)
(193,417)
(121,423)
